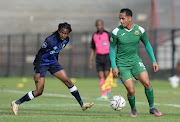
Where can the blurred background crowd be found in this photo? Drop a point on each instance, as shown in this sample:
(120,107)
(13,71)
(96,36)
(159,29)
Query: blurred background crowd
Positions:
(24,26)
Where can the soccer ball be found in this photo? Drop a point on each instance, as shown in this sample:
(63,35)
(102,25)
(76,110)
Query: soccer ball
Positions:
(117,102)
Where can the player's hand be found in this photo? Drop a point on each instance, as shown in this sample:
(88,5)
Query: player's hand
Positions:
(115,72)
(155,67)
(37,77)
(90,65)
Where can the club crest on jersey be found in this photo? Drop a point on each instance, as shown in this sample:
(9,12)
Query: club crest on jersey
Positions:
(136,32)
(44,45)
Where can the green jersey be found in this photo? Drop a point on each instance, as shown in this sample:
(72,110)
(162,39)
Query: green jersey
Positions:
(127,44)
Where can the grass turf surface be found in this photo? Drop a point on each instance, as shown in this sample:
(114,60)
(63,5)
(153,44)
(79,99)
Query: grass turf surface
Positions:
(57,103)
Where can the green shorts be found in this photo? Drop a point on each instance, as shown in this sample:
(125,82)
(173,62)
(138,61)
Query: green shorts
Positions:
(126,72)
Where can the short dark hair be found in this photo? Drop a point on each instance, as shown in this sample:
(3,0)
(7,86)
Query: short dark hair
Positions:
(65,25)
(98,21)
(127,11)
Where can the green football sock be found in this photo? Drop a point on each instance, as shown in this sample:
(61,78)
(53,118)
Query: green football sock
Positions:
(131,101)
(150,96)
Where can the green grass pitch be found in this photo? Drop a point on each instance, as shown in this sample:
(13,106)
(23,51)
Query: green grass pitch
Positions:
(57,103)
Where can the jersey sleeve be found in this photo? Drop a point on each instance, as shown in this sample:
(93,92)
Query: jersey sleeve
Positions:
(112,53)
(41,52)
(45,45)
(109,35)
(92,43)
(113,39)
(147,45)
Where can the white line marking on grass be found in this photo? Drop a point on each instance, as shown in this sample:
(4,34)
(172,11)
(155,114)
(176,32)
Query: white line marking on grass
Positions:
(45,94)
(176,92)
(165,92)
(87,98)
(43,116)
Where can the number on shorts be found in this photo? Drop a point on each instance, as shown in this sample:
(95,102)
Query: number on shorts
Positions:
(141,64)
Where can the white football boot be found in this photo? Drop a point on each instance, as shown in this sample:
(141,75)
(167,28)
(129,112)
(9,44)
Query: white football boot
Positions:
(14,107)
(86,106)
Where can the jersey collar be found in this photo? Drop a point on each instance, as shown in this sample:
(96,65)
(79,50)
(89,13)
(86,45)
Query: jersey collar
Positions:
(130,29)
(99,32)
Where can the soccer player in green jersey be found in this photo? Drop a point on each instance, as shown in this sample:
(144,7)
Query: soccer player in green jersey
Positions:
(127,63)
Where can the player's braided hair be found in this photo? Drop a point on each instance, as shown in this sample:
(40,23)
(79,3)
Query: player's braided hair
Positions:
(65,25)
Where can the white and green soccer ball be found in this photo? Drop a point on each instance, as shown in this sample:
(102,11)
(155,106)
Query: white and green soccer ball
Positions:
(117,102)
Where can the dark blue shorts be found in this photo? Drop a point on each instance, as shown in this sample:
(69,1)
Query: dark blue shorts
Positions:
(52,68)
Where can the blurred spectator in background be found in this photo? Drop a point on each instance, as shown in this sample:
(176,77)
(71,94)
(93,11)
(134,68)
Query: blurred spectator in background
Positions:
(174,80)
(100,45)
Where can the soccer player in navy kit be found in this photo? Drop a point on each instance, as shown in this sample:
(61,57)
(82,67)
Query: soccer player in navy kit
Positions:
(47,59)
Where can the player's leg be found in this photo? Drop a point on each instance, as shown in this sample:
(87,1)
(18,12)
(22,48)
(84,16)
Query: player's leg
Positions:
(131,96)
(106,74)
(107,66)
(102,82)
(29,96)
(140,73)
(100,70)
(32,94)
(126,77)
(144,79)
(58,71)
(61,75)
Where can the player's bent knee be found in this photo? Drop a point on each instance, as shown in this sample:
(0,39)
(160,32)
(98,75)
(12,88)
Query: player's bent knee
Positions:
(147,85)
(131,92)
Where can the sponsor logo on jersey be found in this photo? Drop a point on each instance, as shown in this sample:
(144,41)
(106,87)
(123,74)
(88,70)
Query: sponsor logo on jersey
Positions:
(104,43)
(136,32)
(55,47)
(123,34)
(52,52)
(44,45)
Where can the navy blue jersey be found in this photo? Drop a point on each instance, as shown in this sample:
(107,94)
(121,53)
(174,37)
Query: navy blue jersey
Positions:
(51,48)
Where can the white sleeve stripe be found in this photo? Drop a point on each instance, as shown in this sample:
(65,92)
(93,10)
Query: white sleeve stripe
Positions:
(141,29)
(115,31)
(30,95)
